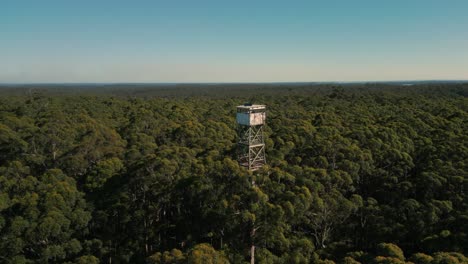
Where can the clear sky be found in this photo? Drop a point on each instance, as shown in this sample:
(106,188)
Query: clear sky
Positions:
(232,40)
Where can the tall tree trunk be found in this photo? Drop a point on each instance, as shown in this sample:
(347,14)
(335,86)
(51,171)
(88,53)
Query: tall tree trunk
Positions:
(252,254)
(252,247)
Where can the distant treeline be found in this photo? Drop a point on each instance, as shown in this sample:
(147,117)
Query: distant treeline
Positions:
(231,90)
(357,173)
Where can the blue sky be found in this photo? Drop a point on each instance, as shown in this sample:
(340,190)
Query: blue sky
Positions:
(232,41)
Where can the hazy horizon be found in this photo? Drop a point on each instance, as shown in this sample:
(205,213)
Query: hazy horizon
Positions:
(232,83)
(232,42)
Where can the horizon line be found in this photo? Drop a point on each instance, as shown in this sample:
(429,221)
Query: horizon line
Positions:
(214,83)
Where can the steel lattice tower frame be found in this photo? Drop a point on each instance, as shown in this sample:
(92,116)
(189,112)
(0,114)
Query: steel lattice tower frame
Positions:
(251,144)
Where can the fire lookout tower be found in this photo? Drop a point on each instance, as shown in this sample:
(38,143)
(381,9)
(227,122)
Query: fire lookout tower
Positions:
(251,146)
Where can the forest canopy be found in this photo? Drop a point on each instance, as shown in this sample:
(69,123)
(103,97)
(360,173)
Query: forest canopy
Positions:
(358,173)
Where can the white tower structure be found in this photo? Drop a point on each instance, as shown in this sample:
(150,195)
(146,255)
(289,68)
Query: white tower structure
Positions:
(251,146)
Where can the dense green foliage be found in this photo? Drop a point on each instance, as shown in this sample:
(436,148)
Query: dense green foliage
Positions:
(371,174)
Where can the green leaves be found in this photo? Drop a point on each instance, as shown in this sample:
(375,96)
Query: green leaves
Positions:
(390,250)
(11,144)
(102,172)
(89,178)
(43,215)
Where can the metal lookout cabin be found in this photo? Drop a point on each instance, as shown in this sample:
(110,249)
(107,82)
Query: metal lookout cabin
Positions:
(251,146)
